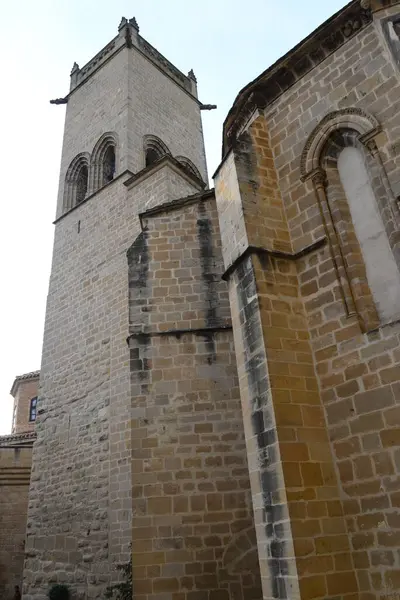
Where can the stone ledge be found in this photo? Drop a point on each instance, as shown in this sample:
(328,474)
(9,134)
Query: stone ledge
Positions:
(250,250)
(177,204)
(205,331)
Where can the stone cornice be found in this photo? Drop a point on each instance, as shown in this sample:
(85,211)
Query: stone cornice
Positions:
(23,378)
(259,250)
(177,204)
(18,439)
(128,37)
(166,160)
(288,70)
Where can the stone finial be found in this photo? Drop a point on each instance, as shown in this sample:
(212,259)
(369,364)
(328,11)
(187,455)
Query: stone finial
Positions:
(192,76)
(122,24)
(75,68)
(365,4)
(134,23)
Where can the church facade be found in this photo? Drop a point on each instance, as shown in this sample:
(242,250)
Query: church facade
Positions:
(220,380)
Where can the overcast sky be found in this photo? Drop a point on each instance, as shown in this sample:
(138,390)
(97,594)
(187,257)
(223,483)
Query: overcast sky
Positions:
(226,42)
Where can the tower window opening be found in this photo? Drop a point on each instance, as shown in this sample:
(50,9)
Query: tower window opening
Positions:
(109,165)
(82,184)
(152,156)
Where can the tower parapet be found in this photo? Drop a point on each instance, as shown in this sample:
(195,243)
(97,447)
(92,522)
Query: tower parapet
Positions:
(128,36)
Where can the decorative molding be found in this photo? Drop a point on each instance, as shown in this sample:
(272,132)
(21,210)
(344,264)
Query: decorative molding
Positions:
(152,142)
(318,177)
(149,50)
(17,438)
(190,166)
(94,63)
(107,140)
(349,118)
(292,67)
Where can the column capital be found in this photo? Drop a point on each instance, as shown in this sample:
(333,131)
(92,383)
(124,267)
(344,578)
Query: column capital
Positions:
(318,177)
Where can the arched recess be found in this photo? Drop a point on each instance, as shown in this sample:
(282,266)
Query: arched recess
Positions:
(189,166)
(76,181)
(104,161)
(359,215)
(154,149)
(364,124)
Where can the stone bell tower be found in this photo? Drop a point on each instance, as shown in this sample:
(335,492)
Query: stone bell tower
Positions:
(133,139)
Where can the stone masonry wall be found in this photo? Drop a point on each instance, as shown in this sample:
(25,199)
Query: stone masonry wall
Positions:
(82,459)
(298,512)
(358,373)
(131,97)
(193,531)
(26,391)
(353,368)
(15,466)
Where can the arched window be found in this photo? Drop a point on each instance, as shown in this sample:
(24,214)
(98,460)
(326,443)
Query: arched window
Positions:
(103,161)
(109,165)
(76,181)
(154,149)
(81,184)
(152,156)
(382,272)
(359,214)
(189,166)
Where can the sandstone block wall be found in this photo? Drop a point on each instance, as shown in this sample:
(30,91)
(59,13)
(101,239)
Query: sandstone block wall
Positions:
(193,531)
(82,458)
(329,367)
(358,372)
(15,466)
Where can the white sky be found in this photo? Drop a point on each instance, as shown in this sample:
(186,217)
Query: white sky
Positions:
(227,43)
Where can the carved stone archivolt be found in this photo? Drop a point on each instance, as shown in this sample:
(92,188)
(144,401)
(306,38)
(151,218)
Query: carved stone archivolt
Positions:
(347,118)
(350,127)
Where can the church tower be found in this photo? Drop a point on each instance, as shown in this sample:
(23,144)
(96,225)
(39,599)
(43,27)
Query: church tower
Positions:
(140,445)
